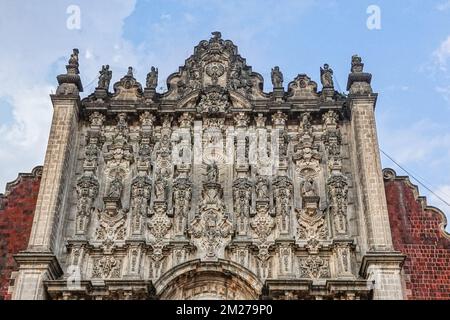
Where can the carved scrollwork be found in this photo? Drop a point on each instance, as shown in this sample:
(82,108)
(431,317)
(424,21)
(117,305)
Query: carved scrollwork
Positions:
(87,191)
(314,267)
(106,267)
(140,200)
(214,100)
(337,186)
(282,197)
(242,192)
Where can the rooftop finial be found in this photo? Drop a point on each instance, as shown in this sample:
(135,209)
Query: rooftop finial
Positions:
(70,83)
(74,57)
(130,72)
(357,65)
(216,35)
(358,80)
(326,76)
(72,67)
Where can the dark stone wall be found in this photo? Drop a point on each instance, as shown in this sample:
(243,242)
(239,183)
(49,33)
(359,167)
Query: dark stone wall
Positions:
(16,218)
(417,231)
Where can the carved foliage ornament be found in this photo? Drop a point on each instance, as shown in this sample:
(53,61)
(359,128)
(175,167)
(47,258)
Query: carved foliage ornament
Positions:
(314,267)
(106,267)
(87,191)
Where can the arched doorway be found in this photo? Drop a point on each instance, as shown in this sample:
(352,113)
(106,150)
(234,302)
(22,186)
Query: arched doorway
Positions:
(213,280)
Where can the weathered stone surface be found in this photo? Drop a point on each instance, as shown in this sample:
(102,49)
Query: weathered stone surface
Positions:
(212,189)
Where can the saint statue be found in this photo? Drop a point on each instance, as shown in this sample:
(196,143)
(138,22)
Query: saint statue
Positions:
(212,172)
(160,189)
(105,78)
(152,78)
(262,191)
(277,78)
(326,76)
(115,188)
(73,61)
(308,188)
(130,72)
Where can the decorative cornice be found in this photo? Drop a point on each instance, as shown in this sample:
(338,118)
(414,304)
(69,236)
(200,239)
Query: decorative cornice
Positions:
(390,175)
(395,259)
(40,260)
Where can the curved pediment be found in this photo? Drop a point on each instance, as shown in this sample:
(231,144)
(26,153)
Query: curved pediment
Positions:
(215,63)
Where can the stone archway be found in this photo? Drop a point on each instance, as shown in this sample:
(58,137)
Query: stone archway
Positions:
(197,280)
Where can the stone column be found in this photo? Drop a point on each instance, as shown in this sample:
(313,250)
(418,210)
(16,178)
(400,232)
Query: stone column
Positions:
(382,263)
(38,262)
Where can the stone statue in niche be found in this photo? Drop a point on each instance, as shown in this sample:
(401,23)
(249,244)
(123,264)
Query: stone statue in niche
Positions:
(309,188)
(115,188)
(105,78)
(130,72)
(277,77)
(152,78)
(212,172)
(326,76)
(160,189)
(262,189)
(73,61)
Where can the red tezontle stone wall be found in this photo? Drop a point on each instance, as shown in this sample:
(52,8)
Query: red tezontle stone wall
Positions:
(417,231)
(16,218)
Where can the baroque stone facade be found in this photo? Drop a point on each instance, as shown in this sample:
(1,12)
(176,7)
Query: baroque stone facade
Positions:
(212,189)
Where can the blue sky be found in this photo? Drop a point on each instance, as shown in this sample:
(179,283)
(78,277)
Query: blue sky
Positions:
(409,58)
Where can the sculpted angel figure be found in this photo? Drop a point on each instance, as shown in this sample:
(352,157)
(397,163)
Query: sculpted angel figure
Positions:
(326,76)
(308,188)
(105,78)
(277,77)
(115,188)
(212,172)
(152,78)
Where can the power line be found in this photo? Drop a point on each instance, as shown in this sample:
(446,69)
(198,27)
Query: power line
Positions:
(416,179)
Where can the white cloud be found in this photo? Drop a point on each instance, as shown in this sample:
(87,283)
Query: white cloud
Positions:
(444,193)
(444,6)
(442,54)
(34,49)
(421,141)
(445,92)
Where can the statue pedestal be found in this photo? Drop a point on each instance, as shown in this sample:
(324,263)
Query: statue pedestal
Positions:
(310,202)
(100,93)
(149,94)
(327,93)
(278,94)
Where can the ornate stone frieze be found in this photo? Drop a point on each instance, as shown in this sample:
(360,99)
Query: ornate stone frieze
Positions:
(211,228)
(242,196)
(182,196)
(215,100)
(159,224)
(140,201)
(87,191)
(214,171)
(307,154)
(282,198)
(111,221)
(337,187)
(314,267)
(107,267)
(311,221)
